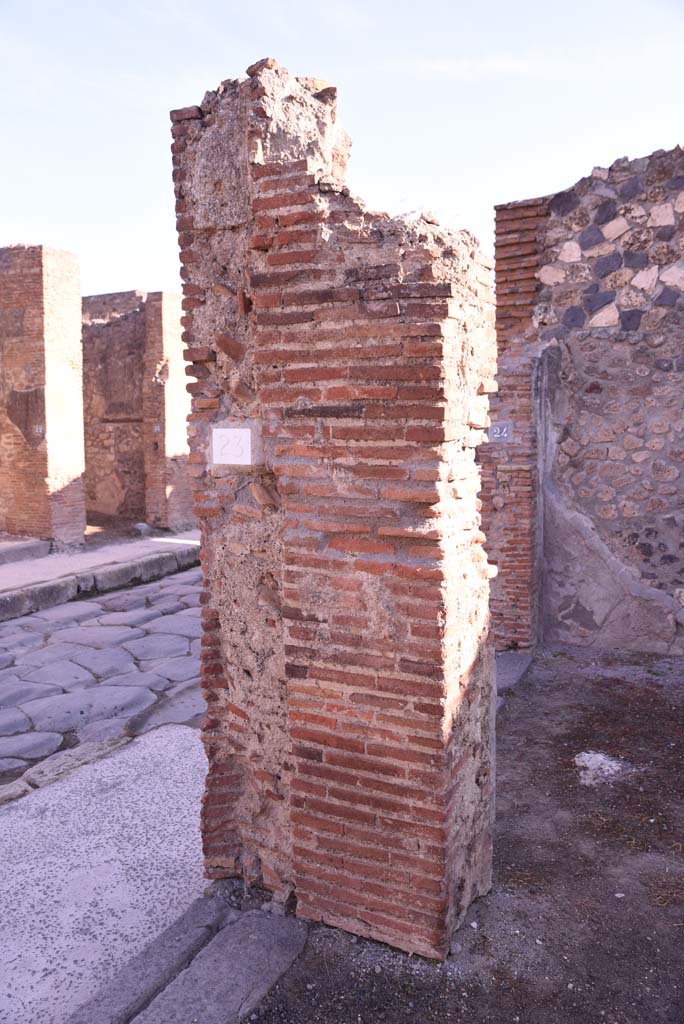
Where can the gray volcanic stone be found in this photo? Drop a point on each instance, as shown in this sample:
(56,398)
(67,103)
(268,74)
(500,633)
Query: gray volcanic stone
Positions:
(668,297)
(147,679)
(53,652)
(10,764)
(590,237)
(133,617)
(607,264)
(74,611)
(74,710)
(574,316)
(630,189)
(30,745)
(125,601)
(65,761)
(13,692)
(96,636)
(12,721)
(65,674)
(598,300)
(666,233)
(564,203)
(183,704)
(630,319)
(635,259)
(160,645)
(181,624)
(6,660)
(606,211)
(103,729)
(177,669)
(105,663)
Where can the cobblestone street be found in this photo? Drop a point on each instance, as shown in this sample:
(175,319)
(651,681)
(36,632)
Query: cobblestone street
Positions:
(98,669)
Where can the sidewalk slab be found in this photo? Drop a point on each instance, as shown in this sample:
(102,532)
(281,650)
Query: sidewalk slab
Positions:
(17,549)
(94,867)
(38,583)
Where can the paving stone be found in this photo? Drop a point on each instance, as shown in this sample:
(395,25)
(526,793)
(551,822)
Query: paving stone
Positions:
(10,764)
(96,636)
(13,790)
(196,648)
(30,745)
(68,711)
(105,663)
(67,675)
(13,721)
(125,601)
(53,652)
(259,948)
(166,605)
(74,611)
(104,729)
(180,624)
(6,660)
(20,641)
(133,617)
(53,768)
(160,645)
(191,601)
(150,680)
(18,691)
(149,972)
(177,707)
(177,669)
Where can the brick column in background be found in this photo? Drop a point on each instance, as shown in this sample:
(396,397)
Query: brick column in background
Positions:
(41,411)
(509,467)
(346,664)
(165,406)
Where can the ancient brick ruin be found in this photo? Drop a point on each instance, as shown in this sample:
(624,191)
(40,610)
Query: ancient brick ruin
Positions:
(41,412)
(135,405)
(582,484)
(343,361)
(92,416)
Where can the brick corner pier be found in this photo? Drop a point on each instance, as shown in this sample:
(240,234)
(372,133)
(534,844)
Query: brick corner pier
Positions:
(342,362)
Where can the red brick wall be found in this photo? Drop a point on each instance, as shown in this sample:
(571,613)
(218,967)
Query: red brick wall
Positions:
(345,656)
(41,415)
(510,467)
(135,409)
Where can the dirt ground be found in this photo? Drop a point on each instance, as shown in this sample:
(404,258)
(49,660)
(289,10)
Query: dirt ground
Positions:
(585,922)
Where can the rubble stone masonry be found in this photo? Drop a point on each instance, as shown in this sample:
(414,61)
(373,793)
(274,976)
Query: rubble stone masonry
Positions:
(41,412)
(135,407)
(346,663)
(584,506)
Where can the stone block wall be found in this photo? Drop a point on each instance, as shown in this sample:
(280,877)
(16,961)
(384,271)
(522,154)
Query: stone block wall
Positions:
(590,292)
(135,407)
(41,413)
(342,361)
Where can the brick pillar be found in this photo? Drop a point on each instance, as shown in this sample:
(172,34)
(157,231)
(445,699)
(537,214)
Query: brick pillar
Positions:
(41,411)
(343,361)
(166,404)
(509,461)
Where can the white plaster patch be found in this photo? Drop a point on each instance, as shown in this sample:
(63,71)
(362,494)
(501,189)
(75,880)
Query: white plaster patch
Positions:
(646,279)
(551,274)
(679,203)
(674,274)
(596,767)
(606,317)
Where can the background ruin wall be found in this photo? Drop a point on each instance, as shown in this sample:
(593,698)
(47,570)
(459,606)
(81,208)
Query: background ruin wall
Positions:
(135,408)
(41,412)
(345,660)
(584,506)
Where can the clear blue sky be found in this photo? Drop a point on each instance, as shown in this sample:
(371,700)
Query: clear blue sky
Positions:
(452,106)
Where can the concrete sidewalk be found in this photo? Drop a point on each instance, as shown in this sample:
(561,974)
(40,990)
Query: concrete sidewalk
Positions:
(38,583)
(94,867)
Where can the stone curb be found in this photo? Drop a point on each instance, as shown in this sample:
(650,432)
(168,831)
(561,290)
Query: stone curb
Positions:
(142,978)
(99,580)
(52,768)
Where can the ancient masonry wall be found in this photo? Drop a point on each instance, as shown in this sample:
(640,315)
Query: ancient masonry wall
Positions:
(135,407)
(346,664)
(41,486)
(590,287)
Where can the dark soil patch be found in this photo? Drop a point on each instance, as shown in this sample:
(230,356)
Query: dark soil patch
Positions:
(585,923)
